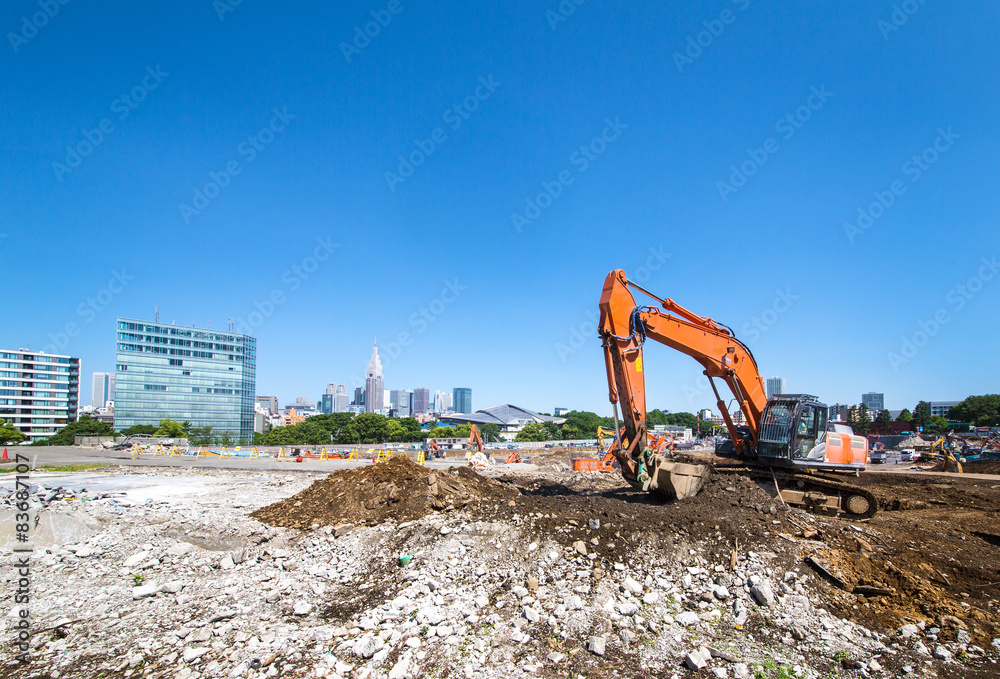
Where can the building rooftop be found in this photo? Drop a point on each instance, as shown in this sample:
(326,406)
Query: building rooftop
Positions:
(504,416)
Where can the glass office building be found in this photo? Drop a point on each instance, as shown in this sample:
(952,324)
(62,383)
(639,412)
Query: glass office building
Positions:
(462,400)
(39,392)
(206,377)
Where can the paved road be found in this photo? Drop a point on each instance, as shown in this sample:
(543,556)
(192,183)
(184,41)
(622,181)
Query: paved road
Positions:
(66,455)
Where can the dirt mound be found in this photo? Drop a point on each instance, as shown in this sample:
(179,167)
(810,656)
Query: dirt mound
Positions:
(982,467)
(397,489)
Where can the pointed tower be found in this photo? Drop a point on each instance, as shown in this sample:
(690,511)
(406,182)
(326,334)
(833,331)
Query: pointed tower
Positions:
(374,390)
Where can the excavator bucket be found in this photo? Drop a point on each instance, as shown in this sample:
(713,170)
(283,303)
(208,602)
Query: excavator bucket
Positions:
(677,480)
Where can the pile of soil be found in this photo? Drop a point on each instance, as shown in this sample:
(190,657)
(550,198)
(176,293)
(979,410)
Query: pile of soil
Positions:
(982,467)
(397,489)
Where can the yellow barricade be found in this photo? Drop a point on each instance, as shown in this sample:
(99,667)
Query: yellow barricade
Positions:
(353,456)
(422,458)
(254,453)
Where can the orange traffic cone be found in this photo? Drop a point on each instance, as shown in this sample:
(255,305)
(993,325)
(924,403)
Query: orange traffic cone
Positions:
(4,455)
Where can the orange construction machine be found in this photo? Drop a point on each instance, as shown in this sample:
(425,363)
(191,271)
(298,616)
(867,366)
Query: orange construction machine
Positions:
(475,442)
(785,439)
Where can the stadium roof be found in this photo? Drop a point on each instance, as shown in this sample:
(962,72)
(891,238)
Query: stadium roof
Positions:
(505,416)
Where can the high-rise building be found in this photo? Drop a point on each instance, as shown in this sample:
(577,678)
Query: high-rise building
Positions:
(331,388)
(400,402)
(839,412)
(874,401)
(206,377)
(463,400)
(102,390)
(39,393)
(359,397)
(442,402)
(270,403)
(421,400)
(374,387)
(775,385)
(340,399)
(326,404)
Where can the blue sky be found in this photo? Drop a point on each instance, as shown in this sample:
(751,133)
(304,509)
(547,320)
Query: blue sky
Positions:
(824,108)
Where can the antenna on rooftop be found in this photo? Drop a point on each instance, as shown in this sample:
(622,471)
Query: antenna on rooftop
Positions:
(157,313)
(232,324)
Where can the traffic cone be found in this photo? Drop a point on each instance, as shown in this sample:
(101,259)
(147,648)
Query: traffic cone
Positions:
(4,455)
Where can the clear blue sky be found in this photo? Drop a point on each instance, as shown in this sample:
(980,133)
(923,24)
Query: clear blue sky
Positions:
(681,115)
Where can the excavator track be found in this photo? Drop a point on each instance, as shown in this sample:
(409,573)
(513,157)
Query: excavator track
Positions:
(808,490)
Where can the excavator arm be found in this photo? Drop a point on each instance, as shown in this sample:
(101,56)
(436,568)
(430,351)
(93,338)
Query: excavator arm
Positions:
(624,328)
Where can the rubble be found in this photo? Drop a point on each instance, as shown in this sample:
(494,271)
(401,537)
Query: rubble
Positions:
(495,584)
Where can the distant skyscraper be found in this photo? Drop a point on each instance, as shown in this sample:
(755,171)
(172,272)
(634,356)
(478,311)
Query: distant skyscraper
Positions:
(326,404)
(421,400)
(359,397)
(775,385)
(874,401)
(399,401)
(340,399)
(463,400)
(103,390)
(374,388)
(438,406)
(331,388)
(269,402)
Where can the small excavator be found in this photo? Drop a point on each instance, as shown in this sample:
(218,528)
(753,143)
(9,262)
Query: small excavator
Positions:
(944,452)
(785,439)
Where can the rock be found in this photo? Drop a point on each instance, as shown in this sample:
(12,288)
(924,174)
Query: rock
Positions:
(697,659)
(963,637)
(596,645)
(444,631)
(687,618)
(741,671)
(520,592)
(874,665)
(798,633)
(920,648)
(531,614)
(650,597)
(342,529)
(227,563)
(721,592)
(908,631)
(192,653)
(996,644)
(302,608)
(136,559)
(942,653)
(172,587)
(365,647)
(413,642)
(180,549)
(575,603)
(628,608)
(720,672)
(144,591)
(594,524)
(631,586)
(224,614)
(401,669)
(532,584)
(762,594)
(580,547)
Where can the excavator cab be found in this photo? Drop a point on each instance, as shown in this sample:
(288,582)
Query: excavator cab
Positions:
(793,433)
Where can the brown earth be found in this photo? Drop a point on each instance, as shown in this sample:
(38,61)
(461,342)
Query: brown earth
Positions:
(397,489)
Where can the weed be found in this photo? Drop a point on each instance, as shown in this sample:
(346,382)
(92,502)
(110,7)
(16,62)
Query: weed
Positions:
(138,579)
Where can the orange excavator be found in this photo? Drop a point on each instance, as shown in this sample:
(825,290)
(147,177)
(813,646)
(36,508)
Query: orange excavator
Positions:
(785,439)
(475,441)
(432,449)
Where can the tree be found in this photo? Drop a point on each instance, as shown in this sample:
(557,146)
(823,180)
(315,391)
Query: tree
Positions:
(904,416)
(171,429)
(532,431)
(365,428)
(655,417)
(587,422)
(861,419)
(883,421)
(10,434)
(981,411)
(921,414)
(85,426)
(201,436)
(683,420)
(148,429)
(570,432)
(490,432)
(938,424)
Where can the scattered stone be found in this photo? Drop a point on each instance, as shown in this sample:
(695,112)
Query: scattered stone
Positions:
(365,648)
(942,653)
(144,591)
(687,618)
(302,608)
(596,645)
(762,594)
(594,524)
(342,529)
(697,659)
(580,547)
